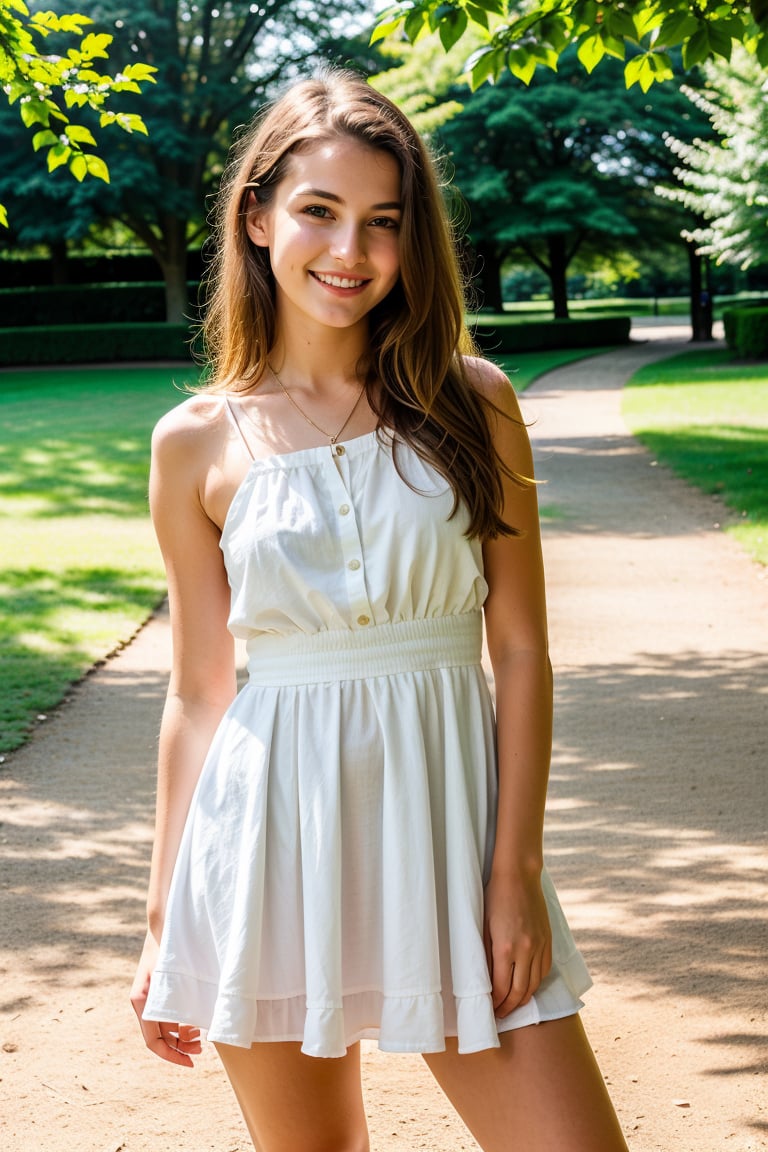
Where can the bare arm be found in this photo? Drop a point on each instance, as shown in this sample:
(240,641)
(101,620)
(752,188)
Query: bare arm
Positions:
(518,935)
(202,682)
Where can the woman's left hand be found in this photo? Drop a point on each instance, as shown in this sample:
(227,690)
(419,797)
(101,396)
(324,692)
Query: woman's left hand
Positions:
(518,939)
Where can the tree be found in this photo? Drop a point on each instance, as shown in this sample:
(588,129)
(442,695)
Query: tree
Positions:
(216,62)
(47,86)
(723,181)
(520,35)
(565,167)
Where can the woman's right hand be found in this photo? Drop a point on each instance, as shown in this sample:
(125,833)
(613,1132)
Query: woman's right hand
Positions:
(174,1042)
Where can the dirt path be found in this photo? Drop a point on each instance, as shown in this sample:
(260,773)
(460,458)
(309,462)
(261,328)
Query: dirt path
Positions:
(656,835)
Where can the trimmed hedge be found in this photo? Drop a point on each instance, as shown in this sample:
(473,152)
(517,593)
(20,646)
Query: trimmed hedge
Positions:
(94,343)
(499,334)
(746,331)
(100,303)
(117,268)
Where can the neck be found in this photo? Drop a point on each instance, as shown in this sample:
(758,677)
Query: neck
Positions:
(318,360)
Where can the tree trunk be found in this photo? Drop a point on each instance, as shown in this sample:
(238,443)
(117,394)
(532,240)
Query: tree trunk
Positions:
(558,267)
(174,265)
(701,295)
(487,274)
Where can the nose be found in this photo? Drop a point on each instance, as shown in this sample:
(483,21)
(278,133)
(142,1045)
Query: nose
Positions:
(347,245)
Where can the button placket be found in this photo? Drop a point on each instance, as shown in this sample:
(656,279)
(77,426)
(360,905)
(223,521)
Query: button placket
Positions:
(360,610)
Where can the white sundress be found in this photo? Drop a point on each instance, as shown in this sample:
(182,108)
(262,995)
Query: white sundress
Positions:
(329,883)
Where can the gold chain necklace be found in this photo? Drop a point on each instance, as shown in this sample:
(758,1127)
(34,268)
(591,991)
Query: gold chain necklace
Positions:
(309,420)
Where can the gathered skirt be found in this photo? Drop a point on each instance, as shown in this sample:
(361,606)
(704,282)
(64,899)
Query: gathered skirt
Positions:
(329,883)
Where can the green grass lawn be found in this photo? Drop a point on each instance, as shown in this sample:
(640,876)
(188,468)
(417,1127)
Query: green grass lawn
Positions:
(80,570)
(525,367)
(706,416)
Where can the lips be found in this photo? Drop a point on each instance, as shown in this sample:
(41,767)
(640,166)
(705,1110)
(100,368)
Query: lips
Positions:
(338,281)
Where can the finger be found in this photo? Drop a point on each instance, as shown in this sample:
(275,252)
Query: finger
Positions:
(502,974)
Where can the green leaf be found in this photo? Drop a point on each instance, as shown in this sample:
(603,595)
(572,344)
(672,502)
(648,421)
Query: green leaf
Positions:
(125,86)
(477,15)
(452,28)
(78,166)
(58,156)
(697,49)
(720,41)
(414,24)
(74,99)
(44,139)
(140,73)
(646,19)
(497,6)
(95,45)
(35,112)
(484,65)
(591,51)
(131,122)
(619,23)
(761,50)
(676,27)
(97,168)
(522,64)
(3,216)
(614,47)
(80,135)
(384,29)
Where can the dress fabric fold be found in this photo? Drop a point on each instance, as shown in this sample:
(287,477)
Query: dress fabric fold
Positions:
(329,883)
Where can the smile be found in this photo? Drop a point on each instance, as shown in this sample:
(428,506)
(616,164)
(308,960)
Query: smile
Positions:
(338,281)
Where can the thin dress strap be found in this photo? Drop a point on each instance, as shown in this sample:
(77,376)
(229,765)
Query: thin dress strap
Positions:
(233,418)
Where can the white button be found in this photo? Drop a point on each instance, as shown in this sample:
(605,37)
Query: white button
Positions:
(344,510)
(354,565)
(340,449)
(363,620)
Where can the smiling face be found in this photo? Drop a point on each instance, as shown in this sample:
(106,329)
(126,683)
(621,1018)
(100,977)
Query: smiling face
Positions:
(332,230)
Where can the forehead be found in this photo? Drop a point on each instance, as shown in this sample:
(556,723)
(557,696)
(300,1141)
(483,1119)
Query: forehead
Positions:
(344,165)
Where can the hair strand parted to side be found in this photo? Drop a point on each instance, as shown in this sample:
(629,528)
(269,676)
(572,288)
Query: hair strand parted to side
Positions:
(414,370)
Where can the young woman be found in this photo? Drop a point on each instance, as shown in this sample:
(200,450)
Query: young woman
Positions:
(352,846)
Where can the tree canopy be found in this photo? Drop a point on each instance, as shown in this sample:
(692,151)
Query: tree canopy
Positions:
(520,35)
(215,62)
(50,86)
(724,181)
(563,168)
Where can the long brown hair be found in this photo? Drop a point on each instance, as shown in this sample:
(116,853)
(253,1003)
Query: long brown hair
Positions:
(414,371)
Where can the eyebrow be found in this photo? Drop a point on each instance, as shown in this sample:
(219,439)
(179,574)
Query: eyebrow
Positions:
(389,205)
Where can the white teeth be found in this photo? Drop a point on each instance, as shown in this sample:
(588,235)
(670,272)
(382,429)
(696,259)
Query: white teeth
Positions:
(338,281)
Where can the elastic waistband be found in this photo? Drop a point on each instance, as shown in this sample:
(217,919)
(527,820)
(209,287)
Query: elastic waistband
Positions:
(381,650)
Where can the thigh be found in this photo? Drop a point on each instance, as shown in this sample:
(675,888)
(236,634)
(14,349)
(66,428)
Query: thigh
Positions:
(291,1101)
(541,1091)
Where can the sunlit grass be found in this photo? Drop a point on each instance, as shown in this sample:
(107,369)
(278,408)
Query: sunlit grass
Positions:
(80,570)
(525,367)
(706,416)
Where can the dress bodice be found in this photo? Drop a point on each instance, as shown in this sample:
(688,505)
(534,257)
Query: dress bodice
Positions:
(335,537)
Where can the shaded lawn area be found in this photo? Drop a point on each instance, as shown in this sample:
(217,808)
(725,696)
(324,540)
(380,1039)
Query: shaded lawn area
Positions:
(706,416)
(79,568)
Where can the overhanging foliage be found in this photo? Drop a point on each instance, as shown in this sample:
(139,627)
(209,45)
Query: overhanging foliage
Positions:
(520,35)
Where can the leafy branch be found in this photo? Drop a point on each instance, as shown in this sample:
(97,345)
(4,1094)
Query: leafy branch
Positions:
(50,86)
(520,35)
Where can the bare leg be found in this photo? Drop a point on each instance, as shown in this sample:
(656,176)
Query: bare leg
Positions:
(293,1102)
(542,1091)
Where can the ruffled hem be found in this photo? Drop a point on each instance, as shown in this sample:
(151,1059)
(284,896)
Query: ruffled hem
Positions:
(418,1023)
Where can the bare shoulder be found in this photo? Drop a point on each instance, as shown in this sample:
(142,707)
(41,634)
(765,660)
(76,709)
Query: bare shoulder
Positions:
(492,383)
(191,430)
